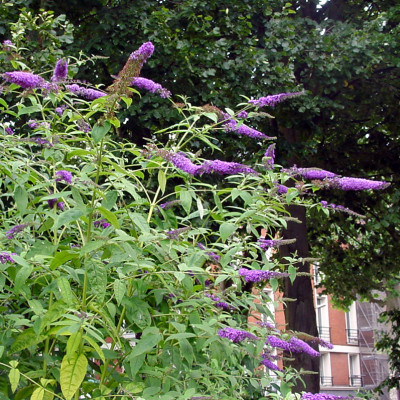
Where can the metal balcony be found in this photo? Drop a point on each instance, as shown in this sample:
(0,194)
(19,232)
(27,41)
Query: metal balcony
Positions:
(324,333)
(353,336)
(326,380)
(356,380)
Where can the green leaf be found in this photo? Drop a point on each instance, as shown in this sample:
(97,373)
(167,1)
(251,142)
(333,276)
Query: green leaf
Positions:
(292,273)
(96,347)
(182,335)
(25,339)
(21,277)
(97,275)
(186,200)
(91,246)
(62,257)
(73,344)
(226,229)
(162,180)
(119,290)
(67,217)
(186,351)
(150,338)
(110,199)
(200,208)
(72,373)
(139,313)
(140,222)
(99,131)
(30,110)
(110,216)
(21,198)
(38,394)
(14,376)
(65,289)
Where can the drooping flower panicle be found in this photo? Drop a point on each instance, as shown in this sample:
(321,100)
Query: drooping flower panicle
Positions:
(151,86)
(87,93)
(5,257)
(323,396)
(267,243)
(348,183)
(294,345)
(270,156)
(235,335)
(26,80)
(10,234)
(255,275)
(64,176)
(274,99)
(60,71)
(174,234)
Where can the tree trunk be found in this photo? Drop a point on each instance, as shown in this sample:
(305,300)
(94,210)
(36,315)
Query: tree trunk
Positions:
(300,314)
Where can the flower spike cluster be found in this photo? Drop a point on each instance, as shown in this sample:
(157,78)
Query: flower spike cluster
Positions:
(60,71)
(273,100)
(151,86)
(255,275)
(235,335)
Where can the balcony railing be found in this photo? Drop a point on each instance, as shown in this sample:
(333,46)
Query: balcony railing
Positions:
(356,380)
(326,380)
(353,336)
(324,332)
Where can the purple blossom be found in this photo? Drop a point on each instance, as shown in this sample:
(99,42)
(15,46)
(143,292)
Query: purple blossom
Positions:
(267,325)
(90,94)
(41,141)
(52,202)
(243,114)
(270,364)
(231,126)
(167,205)
(7,43)
(143,52)
(235,335)
(60,110)
(151,86)
(33,124)
(183,163)
(211,254)
(174,234)
(64,176)
(60,71)
(26,80)
(274,99)
(279,343)
(313,173)
(5,257)
(299,346)
(282,189)
(294,345)
(9,130)
(219,303)
(256,275)
(270,156)
(322,396)
(322,343)
(83,125)
(224,168)
(348,183)
(101,223)
(14,230)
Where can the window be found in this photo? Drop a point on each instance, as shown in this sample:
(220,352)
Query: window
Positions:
(324,331)
(325,370)
(351,325)
(355,378)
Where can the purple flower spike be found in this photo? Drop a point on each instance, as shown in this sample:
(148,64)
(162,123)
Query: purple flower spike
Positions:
(143,52)
(26,80)
(101,223)
(274,99)
(9,130)
(267,243)
(313,173)
(225,168)
(236,335)
(270,364)
(89,94)
(255,275)
(243,114)
(183,163)
(151,86)
(7,43)
(60,71)
(231,126)
(64,176)
(282,189)
(174,234)
(298,346)
(270,156)
(5,257)
(14,230)
(348,183)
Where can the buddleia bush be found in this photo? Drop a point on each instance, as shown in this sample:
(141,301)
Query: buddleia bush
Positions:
(136,272)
